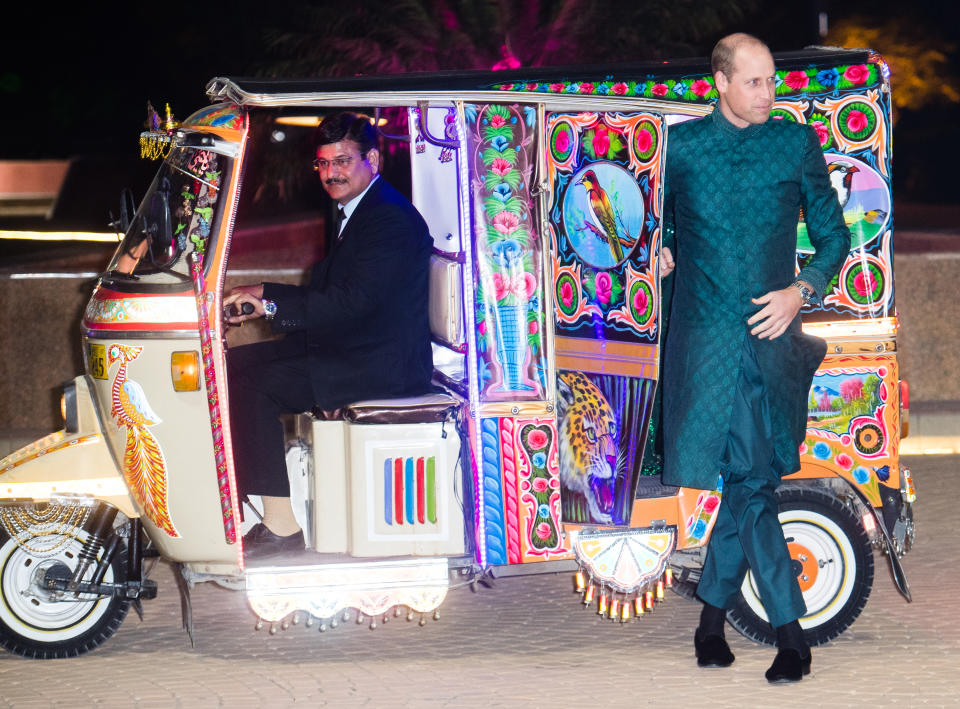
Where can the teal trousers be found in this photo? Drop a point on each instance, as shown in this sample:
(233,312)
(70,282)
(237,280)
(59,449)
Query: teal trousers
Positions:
(747,533)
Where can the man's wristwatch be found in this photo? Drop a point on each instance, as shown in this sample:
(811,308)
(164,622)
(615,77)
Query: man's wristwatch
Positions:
(269,309)
(805,292)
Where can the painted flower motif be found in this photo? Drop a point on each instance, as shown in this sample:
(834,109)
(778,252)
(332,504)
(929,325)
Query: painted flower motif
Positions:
(601,140)
(699,529)
(501,166)
(797,80)
(864,283)
(482,327)
(828,77)
(586,88)
(710,504)
(701,87)
(543,511)
(844,461)
(502,192)
(533,327)
(856,73)
(823,133)
(531,87)
(679,88)
(603,285)
(861,475)
(537,440)
(640,300)
(603,88)
(540,484)
(543,530)
(821,450)
(540,460)
(506,222)
(557,88)
(573,88)
(643,141)
(620,88)
(659,89)
(803,448)
(505,87)
(562,141)
(499,143)
(857,121)
(566,294)
(498,121)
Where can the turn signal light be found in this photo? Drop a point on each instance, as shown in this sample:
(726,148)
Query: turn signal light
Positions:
(185,370)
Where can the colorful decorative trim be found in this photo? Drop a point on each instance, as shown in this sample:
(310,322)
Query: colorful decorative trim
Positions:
(222,115)
(410,491)
(225,482)
(492,492)
(175,312)
(701,88)
(625,560)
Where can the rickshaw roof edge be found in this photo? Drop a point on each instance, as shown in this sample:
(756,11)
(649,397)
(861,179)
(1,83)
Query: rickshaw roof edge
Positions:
(237,87)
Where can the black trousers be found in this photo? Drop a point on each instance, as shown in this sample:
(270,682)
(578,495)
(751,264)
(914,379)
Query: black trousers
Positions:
(266,380)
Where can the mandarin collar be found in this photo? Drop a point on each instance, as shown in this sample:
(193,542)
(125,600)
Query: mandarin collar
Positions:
(727,128)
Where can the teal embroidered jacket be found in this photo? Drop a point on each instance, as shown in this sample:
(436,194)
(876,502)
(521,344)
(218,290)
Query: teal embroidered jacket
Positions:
(732,201)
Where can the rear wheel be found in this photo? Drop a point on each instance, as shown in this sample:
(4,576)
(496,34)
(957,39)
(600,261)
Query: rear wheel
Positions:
(40,623)
(833,559)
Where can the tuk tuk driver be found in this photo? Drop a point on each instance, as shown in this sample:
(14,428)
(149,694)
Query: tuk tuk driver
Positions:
(357,330)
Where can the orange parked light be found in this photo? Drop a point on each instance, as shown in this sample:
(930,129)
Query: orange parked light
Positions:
(185,370)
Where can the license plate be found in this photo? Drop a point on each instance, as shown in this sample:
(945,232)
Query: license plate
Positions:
(97,360)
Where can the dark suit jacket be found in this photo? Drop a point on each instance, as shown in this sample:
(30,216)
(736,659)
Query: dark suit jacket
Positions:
(364,313)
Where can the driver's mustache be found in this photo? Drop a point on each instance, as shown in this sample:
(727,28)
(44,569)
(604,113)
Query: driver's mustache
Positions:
(335,181)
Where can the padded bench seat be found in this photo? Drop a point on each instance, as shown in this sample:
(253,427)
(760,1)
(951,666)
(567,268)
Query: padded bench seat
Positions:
(428,408)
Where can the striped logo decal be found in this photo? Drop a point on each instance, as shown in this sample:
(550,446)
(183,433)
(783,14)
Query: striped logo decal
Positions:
(410,491)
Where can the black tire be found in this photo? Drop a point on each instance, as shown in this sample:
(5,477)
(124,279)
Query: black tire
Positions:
(834,561)
(33,622)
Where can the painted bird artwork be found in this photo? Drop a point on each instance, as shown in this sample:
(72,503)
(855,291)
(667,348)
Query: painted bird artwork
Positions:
(841,178)
(144,467)
(602,213)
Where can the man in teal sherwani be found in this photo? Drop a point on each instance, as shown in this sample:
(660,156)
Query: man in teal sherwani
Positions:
(737,368)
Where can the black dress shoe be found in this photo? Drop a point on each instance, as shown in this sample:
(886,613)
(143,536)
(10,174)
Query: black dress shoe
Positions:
(712,651)
(260,543)
(788,666)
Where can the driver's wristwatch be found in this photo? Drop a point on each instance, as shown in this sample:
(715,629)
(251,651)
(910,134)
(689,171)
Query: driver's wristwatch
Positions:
(805,292)
(269,308)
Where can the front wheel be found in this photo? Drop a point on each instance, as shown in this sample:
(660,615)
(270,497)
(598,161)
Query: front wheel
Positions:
(40,623)
(833,559)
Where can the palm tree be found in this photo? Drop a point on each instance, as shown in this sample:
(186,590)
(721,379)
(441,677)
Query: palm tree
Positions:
(395,36)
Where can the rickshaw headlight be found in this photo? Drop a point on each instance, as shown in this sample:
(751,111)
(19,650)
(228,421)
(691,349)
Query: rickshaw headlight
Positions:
(68,408)
(185,370)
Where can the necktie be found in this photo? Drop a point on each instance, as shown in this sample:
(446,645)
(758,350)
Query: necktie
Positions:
(338,222)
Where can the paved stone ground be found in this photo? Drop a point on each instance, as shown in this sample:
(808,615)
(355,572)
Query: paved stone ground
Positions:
(525,643)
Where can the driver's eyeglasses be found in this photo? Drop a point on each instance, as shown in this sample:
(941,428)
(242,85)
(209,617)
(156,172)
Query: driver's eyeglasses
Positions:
(341,163)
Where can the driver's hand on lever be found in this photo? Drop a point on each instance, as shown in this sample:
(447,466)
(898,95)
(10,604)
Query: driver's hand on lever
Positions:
(233,304)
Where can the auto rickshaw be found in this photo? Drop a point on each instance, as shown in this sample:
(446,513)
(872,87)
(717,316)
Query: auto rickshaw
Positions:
(537,451)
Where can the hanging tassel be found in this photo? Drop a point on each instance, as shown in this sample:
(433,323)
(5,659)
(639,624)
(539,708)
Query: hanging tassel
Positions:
(579,581)
(588,596)
(668,576)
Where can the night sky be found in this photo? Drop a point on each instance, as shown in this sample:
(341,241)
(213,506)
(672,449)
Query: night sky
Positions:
(74,80)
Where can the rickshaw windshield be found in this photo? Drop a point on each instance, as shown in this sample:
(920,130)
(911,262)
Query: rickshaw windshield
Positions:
(178,215)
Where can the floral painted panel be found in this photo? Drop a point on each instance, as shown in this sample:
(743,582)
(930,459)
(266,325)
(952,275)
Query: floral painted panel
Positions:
(502,143)
(604,223)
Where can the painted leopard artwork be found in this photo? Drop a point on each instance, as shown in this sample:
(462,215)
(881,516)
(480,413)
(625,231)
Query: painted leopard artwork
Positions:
(588,434)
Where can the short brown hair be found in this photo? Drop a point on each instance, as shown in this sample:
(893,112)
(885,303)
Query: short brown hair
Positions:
(724,53)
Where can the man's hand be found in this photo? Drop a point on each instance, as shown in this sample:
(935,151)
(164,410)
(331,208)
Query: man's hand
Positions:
(667,264)
(251,294)
(780,307)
